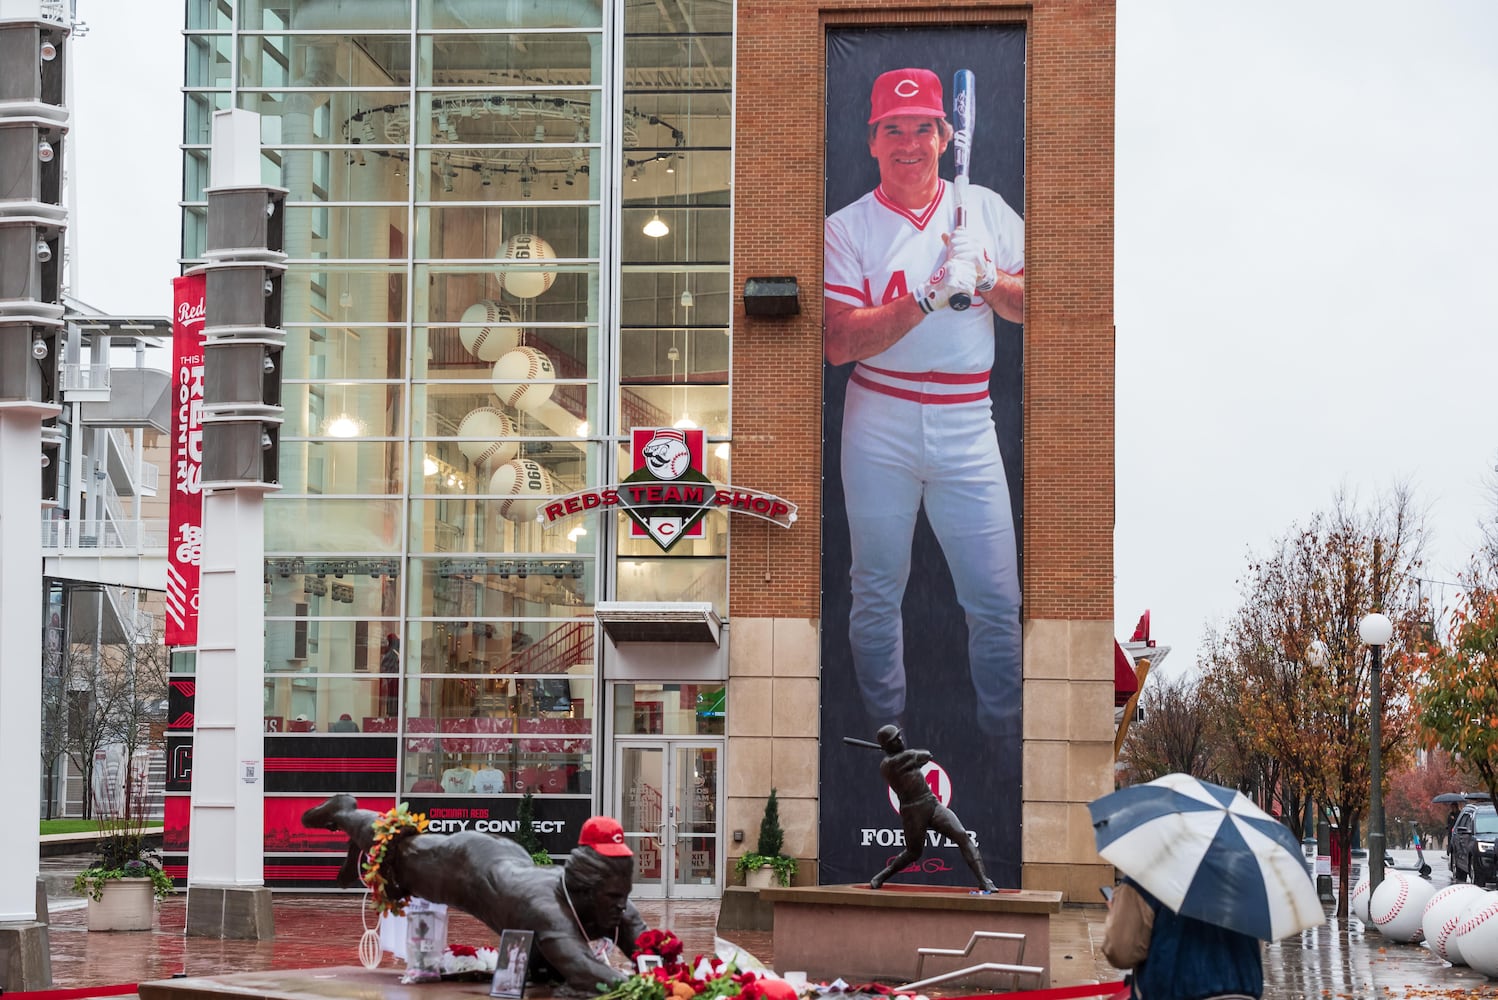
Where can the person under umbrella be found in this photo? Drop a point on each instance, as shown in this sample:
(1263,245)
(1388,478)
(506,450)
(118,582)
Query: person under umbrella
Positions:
(1178,958)
(1209,875)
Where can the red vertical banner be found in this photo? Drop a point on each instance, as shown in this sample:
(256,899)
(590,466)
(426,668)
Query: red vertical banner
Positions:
(185,510)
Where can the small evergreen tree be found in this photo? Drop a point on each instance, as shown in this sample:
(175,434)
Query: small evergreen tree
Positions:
(526,834)
(771,836)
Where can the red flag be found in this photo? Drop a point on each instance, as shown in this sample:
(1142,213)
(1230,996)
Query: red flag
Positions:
(184,551)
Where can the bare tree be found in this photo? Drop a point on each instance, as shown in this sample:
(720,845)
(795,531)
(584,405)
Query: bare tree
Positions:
(1486,571)
(107,697)
(1241,760)
(1173,734)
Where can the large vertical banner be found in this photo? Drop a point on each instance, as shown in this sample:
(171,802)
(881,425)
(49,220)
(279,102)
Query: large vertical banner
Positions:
(923,304)
(185,508)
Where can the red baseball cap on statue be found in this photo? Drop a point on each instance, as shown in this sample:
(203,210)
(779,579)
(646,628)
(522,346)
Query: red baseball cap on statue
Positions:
(906,92)
(604,835)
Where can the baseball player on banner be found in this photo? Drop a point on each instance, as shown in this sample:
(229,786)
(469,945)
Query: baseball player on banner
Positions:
(917,423)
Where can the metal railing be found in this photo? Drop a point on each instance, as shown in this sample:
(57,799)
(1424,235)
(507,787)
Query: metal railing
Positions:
(149,478)
(85,377)
(142,537)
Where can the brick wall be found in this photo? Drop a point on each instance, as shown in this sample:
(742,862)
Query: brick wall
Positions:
(1069,371)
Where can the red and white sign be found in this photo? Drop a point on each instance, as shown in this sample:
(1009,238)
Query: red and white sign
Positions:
(667,493)
(939,781)
(184,551)
(666,454)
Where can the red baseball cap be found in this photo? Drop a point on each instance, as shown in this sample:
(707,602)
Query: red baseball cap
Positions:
(604,835)
(906,92)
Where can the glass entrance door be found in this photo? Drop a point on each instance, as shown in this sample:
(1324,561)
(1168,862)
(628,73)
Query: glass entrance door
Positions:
(666,796)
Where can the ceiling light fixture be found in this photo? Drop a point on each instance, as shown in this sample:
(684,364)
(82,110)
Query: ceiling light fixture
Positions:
(343,426)
(656,227)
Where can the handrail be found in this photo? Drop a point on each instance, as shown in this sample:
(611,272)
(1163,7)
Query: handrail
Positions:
(85,377)
(145,475)
(562,648)
(147,536)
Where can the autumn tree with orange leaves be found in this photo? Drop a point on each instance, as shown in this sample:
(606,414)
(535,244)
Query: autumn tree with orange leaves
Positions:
(1301,674)
(1412,792)
(1459,699)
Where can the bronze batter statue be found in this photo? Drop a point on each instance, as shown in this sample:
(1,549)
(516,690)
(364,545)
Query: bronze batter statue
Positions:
(579,911)
(920,810)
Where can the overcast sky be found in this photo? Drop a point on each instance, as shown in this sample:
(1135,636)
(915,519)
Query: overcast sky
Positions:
(1307,265)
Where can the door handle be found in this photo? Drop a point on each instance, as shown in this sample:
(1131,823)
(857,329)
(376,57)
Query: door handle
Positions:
(660,835)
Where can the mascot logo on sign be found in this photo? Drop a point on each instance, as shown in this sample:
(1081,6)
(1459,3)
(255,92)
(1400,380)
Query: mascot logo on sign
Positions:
(667,494)
(667,455)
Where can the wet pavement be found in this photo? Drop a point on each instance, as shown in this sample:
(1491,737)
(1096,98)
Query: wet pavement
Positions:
(1338,961)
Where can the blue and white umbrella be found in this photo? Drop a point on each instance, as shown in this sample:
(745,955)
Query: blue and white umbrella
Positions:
(1208,852)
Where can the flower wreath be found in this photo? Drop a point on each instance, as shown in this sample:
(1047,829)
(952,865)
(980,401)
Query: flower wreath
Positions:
(395,824)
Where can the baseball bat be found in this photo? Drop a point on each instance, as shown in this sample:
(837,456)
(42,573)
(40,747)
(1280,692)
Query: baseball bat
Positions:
(856,742)
(964,94)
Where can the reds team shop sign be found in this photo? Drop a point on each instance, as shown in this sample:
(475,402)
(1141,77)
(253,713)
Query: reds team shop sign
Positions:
(667,494)
(185,508)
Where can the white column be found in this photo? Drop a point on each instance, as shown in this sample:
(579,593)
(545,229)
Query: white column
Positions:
(226,847)
(21,654)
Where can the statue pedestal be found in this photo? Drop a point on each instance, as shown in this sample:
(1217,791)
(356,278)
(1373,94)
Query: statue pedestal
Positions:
(338,982)
(864,934)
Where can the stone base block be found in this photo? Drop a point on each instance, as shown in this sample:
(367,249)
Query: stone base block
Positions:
(742,909)
(865,934)
(25,957)
(238,912)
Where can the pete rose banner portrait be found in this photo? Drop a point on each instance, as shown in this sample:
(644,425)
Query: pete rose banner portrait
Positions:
(923,309)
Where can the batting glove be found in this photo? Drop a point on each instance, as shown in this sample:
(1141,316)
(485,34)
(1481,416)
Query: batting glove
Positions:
(968,247)
(949,279)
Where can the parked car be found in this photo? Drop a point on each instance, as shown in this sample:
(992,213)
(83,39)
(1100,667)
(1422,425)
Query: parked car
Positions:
(1474,844)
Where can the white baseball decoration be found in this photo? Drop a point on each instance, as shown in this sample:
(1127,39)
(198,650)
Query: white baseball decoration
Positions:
(1397,906)
(523,378)
(498,333)
(527,283)
(488,422)
(1442,914)
(523,486)
(1358,901)
(1476,935)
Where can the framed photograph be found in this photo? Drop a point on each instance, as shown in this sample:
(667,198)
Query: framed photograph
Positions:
(645,963)
(513,964)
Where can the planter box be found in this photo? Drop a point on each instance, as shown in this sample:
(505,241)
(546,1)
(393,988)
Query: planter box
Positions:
(129,904)
(760,878)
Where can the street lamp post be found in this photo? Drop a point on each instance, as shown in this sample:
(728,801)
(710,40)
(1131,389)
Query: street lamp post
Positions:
(1375,630)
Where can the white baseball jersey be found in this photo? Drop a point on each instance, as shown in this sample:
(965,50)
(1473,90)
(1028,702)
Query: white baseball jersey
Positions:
(489,781)
(878,251)
(456,780)
(901,453)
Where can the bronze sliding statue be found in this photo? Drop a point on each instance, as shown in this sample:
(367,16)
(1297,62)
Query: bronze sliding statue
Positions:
(579,911)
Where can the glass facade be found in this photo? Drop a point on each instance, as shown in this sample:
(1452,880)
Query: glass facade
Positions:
(508,230)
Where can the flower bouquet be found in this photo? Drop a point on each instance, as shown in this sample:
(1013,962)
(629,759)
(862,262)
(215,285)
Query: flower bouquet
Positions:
(667,977)
(465,963)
